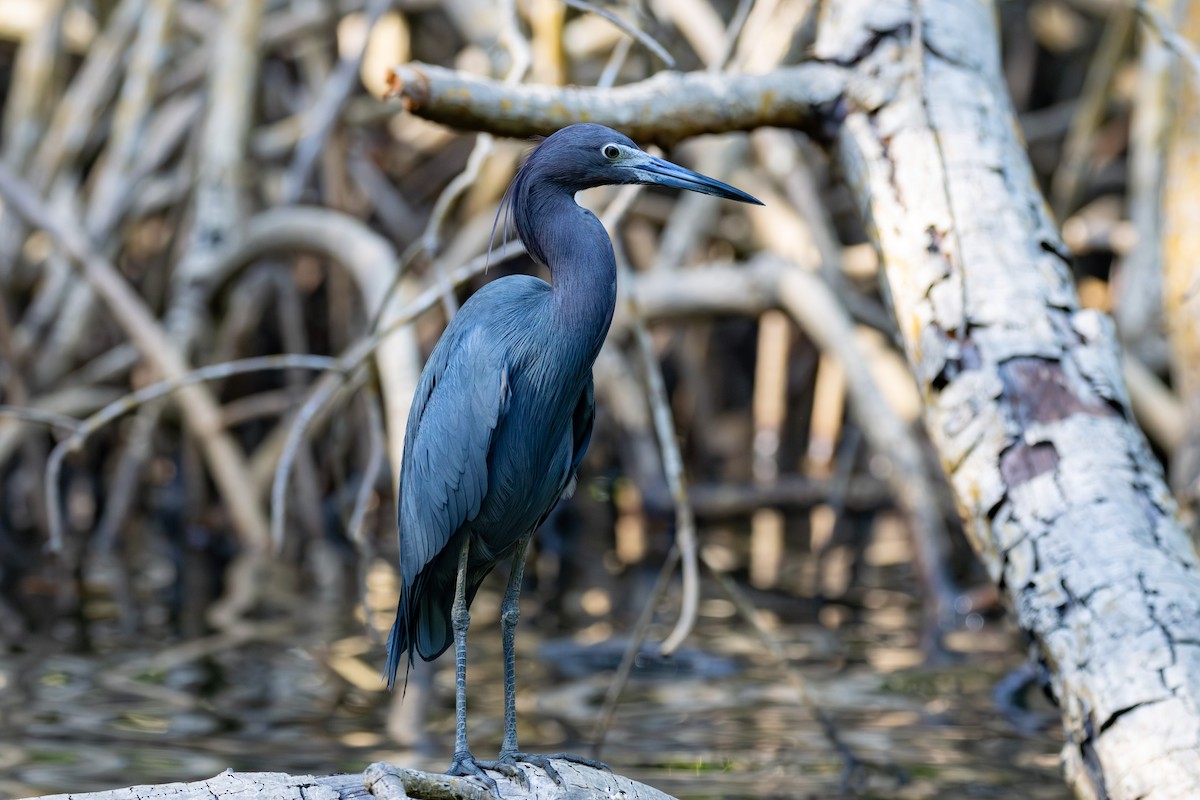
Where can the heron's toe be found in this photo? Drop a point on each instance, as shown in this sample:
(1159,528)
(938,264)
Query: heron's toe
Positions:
(465,765)
(543,762)
(507,768)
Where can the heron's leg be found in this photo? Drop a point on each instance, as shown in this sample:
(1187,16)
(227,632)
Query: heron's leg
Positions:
(460,620)
(510,613)
(464,762)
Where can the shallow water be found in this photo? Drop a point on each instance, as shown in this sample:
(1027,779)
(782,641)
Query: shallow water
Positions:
(73,724)
(303,695)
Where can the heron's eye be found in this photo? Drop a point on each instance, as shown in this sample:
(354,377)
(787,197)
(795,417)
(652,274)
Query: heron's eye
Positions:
(611,151)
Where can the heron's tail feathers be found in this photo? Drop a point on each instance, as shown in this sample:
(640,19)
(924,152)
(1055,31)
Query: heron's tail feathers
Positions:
(434,631)
(397,644)
(422,627)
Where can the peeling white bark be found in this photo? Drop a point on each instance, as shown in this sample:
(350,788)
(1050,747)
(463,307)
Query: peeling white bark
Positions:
(384,782)
(1061,496)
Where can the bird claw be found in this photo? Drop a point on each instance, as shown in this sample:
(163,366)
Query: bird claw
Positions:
(466,765)
(543,763)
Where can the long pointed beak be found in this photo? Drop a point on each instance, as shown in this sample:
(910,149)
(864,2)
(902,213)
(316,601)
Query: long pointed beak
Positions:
(653,170)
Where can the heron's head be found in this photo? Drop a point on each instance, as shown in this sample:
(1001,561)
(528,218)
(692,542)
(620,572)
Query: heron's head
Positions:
(582,157)
(588,155)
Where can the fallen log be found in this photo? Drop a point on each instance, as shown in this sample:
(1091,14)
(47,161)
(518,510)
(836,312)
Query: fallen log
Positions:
(386,782)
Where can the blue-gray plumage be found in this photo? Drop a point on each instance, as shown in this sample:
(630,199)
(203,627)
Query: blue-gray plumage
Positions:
(503,412)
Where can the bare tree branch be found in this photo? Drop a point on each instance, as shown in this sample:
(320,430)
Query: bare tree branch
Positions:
(131,402)
(201,412)
(1180,248)
(663,109)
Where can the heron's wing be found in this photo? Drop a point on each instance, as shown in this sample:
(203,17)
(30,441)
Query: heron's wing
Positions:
(582,422)
(463,393)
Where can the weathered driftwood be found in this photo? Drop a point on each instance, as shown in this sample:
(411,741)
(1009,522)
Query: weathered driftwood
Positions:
(1061,496)
(385,782)
(1025,400)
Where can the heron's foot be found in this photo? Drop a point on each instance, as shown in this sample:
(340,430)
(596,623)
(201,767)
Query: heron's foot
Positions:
(466,765)
(543,762)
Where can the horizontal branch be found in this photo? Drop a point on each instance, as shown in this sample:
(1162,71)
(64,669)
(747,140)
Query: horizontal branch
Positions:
(790,493)
(663,109)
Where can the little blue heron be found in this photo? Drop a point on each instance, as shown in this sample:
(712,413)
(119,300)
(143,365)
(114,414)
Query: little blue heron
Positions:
(503,413)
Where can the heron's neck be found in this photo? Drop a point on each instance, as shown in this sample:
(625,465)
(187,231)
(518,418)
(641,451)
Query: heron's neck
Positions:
(575,247)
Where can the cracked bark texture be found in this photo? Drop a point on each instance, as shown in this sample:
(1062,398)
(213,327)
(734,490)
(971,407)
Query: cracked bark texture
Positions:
(382,781)
(1061,497)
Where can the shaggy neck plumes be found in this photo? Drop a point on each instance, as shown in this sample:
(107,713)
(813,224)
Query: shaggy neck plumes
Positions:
(573,245)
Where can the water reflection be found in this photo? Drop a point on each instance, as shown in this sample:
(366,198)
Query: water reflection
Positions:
(303,696)
(720,722)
